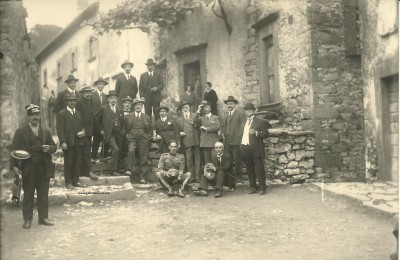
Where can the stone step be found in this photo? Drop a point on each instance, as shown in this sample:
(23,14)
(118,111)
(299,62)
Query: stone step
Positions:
(105,180)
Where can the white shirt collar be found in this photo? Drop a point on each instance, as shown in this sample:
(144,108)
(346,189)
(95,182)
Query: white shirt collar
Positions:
(71,90)
(233,110)
(100,92)
(163,118)
(72,111)
(127,75)
(251,118)
(208,115)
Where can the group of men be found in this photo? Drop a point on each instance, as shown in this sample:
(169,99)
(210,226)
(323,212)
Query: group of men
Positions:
(211,147)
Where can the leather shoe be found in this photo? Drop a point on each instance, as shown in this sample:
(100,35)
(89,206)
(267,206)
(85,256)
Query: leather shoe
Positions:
(253,191)
(180,194)
(79,185)
(170,194)
(70,187)
(27,224)
(143,181)
(200,193)
(218,195)
(114,173)
(45,222)
(262,192)
(93,176)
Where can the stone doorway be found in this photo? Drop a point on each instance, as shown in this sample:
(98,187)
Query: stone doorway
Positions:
(192,77)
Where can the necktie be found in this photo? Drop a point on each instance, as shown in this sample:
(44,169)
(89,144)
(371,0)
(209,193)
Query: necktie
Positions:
(128,76)
(113,109)
(137,116)
(101,98)
(249,121)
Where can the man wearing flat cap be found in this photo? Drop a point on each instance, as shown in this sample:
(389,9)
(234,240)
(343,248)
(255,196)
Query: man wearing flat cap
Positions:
(150,86)
(60,102)
(254,130)
(71,135)
(166,129)
(98,99)
(83,105)
(36,170)
(126,84)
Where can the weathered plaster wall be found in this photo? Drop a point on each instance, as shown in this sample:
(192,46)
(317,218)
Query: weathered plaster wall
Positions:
(379,38)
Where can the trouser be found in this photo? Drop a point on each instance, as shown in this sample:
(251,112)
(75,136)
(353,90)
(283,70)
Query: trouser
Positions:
(218,181)
(207,153)
(97,139)
(255,168)
(168,181)
(234,151)
(192,157)
(142,145)
(115,144)
(86,164)
(35,179)
(72,164)
(151,107)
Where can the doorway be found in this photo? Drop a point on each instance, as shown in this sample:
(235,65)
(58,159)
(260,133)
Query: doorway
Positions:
(192,77)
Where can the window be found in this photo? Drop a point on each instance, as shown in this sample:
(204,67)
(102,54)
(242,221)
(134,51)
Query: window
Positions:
(92,49)
(58,70)
(268,71)
(45,78)
(73,64)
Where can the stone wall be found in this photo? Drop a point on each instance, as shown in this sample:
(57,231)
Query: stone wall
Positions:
(18,74)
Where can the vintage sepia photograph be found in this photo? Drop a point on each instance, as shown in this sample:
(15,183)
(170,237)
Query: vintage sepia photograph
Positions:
(199,129)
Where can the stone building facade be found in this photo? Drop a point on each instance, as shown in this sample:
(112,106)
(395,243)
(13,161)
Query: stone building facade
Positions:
(18,74)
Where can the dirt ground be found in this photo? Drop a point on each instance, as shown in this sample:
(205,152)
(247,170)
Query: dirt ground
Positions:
(287,223)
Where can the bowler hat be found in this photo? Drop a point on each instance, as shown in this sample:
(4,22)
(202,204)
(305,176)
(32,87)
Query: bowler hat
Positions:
(231,99)
(184,103)
(128,98)
(100,79)
(70,96)
(71,78)
(127,62)
(249,106)
(112,93)
(150,62)
(166,108)
(137,100)
(86,89)
(31,109)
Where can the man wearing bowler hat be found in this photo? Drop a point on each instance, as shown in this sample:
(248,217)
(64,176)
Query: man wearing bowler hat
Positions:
(98,99)
(35,170)
(60,102)
(253,131)
(126,84)
(83,105)
(150,86)
(166,129)
(111,120)
(71,135)
(232,138)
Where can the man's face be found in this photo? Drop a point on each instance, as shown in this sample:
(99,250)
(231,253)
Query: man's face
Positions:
(150,67)
(231,105)
(207,109)
(34,119)
(219,149)
(100,86)
(249,112)
(163,113)
(127,105)
(71,103)
(185,108)
(207,88)
(87,94)
(112,100)
(72,85)
(127,68)
(138,107)
(173,147)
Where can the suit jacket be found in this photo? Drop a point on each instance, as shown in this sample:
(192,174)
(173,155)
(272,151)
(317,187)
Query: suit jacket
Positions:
(128,121)
(109,121)
(230,126)
(146,83)
(24,140)
(96,108)
(226,162)
(256,141)
(68,127)
(125,87)
(210,137)
(88,117)
(60,103)
(168,130)
(211,97)
(192,133)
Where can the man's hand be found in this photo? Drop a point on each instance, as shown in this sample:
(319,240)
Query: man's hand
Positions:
(81,133)
(154,89)
(64,146)
(102,132)
(17,171)
(203,128)
(158,137)
(182,133)
(252,132)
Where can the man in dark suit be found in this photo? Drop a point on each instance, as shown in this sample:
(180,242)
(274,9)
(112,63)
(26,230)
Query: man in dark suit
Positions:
(71,136)
(252,149)
(84,107)
(97,100)
(232,137)
(166,129)
(36,170)
(126,84)
(138,129)
(222,167)
(190,137)
(60,102)
(111,120)
(211,97)
(150,86)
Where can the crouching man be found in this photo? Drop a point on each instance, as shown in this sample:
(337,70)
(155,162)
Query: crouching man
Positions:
(215,173)
(35,170)
(170,170)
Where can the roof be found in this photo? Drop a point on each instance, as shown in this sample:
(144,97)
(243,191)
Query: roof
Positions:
(71,28)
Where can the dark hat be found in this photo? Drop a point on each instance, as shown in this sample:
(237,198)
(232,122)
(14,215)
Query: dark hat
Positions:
(137,100)
(70,96)
(126,62)
(231,99)
(128,98)
(32,109)
(150,62)
(100,79)
(71,78)
(166,108)
(112,93)
(86,89)
(184,103)
(249,106)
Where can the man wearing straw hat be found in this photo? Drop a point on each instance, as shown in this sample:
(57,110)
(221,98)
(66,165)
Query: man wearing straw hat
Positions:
(60,102)
(36,169)
(126,84)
